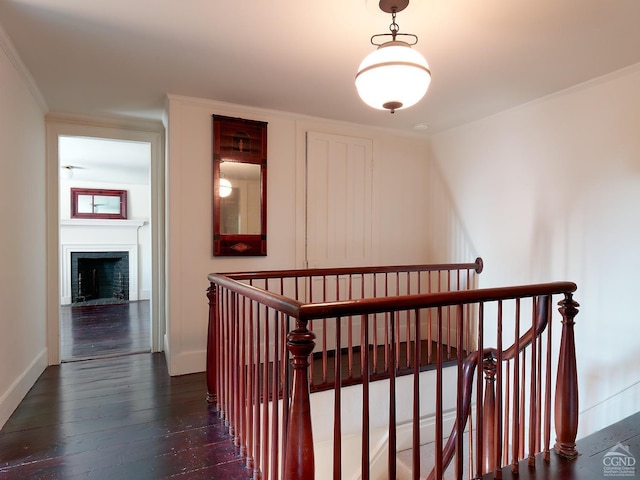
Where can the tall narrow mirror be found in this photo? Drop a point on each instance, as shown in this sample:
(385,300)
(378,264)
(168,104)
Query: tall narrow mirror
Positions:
(239,186)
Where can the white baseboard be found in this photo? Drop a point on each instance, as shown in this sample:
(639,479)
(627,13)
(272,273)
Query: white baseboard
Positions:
(609,411)
(186,362)
(10,399)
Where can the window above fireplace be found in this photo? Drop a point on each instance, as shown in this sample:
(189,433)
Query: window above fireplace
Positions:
(98,203)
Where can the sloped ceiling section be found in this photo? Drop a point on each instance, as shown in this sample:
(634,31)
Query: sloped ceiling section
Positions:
(120,57)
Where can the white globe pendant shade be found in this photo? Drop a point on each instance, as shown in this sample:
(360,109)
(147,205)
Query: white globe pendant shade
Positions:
(393,77)
(225,188)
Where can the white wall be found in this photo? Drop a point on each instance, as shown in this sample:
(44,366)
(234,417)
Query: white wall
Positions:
(400,226)
(550,191)
(23,353)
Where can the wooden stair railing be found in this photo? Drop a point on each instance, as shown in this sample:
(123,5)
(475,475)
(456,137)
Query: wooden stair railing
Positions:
(250,316)
(257,329)
(565,403)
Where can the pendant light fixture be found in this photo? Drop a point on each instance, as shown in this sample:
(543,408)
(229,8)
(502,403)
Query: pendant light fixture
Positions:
(394,76)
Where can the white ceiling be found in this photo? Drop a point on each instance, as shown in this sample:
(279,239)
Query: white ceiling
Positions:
(105,160)
(120,57)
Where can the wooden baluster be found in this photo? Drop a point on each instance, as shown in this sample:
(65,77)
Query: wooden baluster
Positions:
(566,399)
(415,460)
(392,399)
(298,455)
(251,390)
(521,408)
(233,371)
(507,413)
(533,392)
(386,326)
(242,377)
(310,300)
(439,464)
(429,336)
(257,433)
(479,406)
(547,391)
(285,382)
(212,347)
(408,324)
(224,358)
(398,356)
(449,318)
(265,396)
(365,396)
(539,398)
(275,394)
(325,360)
(460,420)
(350,332)
(498,419)
(337,406)
(489,417)
(375,327)
(515,456)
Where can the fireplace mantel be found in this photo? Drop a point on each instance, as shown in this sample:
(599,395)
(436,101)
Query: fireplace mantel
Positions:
(86,222)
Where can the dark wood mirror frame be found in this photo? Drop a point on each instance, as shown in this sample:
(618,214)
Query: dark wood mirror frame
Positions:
(118,210)
(239,141)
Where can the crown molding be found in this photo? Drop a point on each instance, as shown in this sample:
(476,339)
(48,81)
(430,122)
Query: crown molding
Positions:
(116,122)
(12,54)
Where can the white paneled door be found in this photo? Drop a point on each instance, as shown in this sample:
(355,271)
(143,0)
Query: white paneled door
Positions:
(338,207)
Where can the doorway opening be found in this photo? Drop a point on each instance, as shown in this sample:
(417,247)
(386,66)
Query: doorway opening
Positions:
(105,263)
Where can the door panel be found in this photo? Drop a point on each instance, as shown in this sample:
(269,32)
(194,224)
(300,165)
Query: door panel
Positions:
(338,212)
(338,218)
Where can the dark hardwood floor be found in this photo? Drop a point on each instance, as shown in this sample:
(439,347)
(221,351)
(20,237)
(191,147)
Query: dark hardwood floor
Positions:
(611,453)
(117,418)
(90,331)
(123,417)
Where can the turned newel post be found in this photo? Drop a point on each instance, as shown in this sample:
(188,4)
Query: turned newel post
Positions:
(299,459)
(489,415)
(212,365)
(566,401)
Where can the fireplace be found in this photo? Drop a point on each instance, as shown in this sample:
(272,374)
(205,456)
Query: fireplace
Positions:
(91,239)
(99,275)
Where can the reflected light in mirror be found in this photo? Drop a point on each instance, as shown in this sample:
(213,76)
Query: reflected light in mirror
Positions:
(225,187)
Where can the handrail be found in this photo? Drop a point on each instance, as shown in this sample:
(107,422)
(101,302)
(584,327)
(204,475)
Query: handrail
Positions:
(343,308)
(477,266)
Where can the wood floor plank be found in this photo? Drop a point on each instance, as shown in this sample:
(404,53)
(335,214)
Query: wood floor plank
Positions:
(118,418)
(95,331)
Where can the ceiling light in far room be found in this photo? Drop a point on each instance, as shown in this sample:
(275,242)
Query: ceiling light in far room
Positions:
(66,171)
(225,188)
(394,76)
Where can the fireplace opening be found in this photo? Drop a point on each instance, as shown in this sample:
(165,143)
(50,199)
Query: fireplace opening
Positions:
(99,275)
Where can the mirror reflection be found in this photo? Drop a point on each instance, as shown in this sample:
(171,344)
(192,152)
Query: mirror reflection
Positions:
(240,197)
(98,204)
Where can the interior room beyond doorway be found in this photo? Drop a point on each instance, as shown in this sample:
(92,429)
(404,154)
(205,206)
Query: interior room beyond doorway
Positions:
(105,247)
